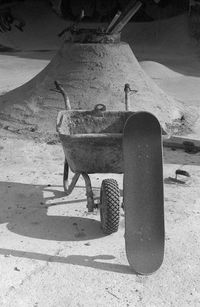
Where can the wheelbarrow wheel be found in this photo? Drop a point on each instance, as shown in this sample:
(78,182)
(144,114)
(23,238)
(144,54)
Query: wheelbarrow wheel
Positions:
(109,206)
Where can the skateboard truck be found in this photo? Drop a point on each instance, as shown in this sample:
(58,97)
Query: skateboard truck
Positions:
(127,90)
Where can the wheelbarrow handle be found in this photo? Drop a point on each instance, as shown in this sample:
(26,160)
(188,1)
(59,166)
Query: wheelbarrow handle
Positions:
(59,121)
(60,89)
(127,90)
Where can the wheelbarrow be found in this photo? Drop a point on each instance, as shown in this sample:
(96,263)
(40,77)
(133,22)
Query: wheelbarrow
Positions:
(92,143)
(101,141)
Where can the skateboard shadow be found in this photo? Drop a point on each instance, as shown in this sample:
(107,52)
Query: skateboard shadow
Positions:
(24,210)
(95,262)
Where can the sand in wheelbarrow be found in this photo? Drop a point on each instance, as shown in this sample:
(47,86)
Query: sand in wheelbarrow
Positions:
(90,74)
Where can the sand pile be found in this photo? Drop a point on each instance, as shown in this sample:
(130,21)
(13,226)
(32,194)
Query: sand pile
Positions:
(94,74)
(90,74)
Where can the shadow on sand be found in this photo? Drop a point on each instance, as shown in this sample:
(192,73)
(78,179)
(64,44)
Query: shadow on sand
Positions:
(95,262)
(24,209)
(180,157)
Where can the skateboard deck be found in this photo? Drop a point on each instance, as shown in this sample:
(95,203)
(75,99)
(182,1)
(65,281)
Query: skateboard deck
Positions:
(143,193)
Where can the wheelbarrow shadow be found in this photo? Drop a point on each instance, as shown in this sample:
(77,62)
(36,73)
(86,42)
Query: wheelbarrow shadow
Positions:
(24,209)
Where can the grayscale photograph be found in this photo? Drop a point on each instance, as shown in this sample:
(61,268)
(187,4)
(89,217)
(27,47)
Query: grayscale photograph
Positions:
(99,153)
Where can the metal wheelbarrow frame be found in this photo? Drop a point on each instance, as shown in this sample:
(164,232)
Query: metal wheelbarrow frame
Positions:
(92,143)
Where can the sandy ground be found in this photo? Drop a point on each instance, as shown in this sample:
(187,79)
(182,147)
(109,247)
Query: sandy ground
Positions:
(52,252)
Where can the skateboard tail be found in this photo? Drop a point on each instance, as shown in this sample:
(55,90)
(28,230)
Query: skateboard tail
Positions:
(145,262)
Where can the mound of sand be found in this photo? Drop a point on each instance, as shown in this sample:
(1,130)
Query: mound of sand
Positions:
(90,74)
(157,70)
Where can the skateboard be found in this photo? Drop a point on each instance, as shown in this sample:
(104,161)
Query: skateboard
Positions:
(143,193)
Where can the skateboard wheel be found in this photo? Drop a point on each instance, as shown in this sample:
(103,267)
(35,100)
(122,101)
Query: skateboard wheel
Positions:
(109,206)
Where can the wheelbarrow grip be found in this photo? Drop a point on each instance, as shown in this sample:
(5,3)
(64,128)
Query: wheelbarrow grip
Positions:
(59,121)
(60,89)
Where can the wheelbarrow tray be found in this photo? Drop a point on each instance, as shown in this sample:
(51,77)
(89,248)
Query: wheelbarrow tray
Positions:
(92,140)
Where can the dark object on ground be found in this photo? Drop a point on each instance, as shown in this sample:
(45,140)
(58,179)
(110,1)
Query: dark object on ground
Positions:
(182,172)
(175,142)
(175,179)
(190,147)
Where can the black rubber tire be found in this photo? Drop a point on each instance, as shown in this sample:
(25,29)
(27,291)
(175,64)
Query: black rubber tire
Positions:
(109,206)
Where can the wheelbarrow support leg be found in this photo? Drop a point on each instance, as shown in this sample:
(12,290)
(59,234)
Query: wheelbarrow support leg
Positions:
(68,188)
(89,192)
